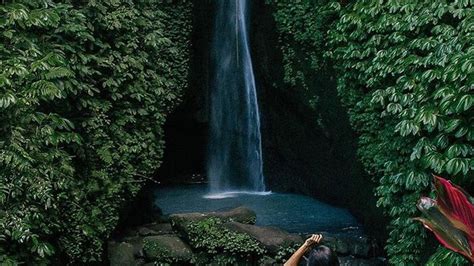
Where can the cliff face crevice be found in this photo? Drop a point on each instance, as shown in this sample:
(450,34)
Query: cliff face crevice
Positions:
(306,150)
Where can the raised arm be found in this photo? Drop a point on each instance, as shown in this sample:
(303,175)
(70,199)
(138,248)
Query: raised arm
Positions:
(296,257)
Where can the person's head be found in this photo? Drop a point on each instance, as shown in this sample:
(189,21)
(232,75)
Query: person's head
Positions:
(322,256)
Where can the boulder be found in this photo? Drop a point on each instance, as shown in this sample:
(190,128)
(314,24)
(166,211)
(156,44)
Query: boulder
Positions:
(356,246)
(162,247)
(353,261)
(241,214)
(160,228)
(137,244)
(271,238)
(361,247)
(267,261)
(144,231)
(121,254)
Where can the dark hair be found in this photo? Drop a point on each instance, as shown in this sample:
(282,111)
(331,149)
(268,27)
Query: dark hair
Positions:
(322,256)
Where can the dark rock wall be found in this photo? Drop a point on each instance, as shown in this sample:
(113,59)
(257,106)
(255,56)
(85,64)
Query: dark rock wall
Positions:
(187,128)
(305,151)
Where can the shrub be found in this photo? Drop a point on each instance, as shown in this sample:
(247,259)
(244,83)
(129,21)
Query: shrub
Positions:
(85,90)
(404,72)
(212,238)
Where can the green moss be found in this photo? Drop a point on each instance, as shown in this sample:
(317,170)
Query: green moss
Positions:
(212,238)
(156,252)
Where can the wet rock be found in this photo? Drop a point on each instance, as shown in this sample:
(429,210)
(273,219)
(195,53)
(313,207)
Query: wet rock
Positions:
(163,247)
(271,238)
(356,246)
(137,244)
(160,228)
(267,261)
(342,247)
(130,233)
(121,254)
(144,231)
(360,248)
(241,214)
(353,261)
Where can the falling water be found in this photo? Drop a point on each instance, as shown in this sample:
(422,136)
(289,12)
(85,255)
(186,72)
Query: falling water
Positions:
(235,153)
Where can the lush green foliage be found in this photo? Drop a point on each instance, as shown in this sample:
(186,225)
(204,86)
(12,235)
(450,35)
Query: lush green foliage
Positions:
(302,38)
(221,244)
(444,256)
(160,255)
(84,90)
(285,252)
(405,72)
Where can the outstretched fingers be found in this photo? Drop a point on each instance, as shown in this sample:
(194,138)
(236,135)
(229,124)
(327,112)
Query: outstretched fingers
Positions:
(317,238)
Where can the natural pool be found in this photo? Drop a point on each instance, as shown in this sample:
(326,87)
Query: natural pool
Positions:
(291,212)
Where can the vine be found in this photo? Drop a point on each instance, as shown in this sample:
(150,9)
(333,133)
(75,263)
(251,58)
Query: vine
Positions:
(84,91)
(404,71)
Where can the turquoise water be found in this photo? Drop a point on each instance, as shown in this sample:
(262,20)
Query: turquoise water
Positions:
(291,212)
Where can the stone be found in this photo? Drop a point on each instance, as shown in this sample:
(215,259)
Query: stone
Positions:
(137,243)
(342,247)
(267,261)
(241,214)
(356,246)
(360,247)
(144,231)
(166,246)
(130,233)
(160,228)
(271,238)
(121,254)
(354,261)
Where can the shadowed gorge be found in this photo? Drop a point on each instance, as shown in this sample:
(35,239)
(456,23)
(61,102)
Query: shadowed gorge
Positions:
(305,150)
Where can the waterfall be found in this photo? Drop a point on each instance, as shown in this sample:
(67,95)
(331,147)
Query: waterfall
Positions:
(234,152)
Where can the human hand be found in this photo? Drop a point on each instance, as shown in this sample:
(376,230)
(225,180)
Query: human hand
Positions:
(313,240)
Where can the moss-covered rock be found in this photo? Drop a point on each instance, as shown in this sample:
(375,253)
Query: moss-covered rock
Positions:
(121,254)
(272,238)
(166,248)
(241,214)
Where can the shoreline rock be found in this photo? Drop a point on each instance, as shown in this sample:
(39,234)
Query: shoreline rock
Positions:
(272,238)
(166,242)
(240,214)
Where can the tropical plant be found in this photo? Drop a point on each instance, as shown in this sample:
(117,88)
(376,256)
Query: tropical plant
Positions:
(211,236)
(450,217)
(404,71)
(85,87)
(444,256)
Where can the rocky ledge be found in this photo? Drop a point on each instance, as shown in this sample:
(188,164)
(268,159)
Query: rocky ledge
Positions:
(223,238)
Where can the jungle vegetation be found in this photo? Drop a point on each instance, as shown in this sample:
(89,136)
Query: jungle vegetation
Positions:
(405,72)
(86,86)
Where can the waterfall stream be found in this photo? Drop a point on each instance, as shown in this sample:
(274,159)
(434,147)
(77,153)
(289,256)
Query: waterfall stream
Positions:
(234,152)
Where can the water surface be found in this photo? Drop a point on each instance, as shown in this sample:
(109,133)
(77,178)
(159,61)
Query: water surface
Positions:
(291,212)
